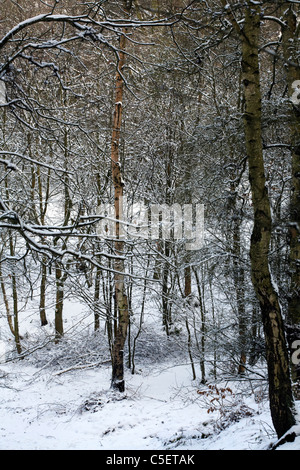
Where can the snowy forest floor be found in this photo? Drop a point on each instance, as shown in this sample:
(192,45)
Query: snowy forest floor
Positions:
(48,408)
(59,398)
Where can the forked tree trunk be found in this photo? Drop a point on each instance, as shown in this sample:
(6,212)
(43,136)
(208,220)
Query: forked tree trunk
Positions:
(280,390)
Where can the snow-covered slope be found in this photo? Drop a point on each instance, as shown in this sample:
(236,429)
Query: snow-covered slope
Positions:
(46,409)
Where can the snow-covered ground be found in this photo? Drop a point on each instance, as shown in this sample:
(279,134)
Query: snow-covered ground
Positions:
(42,409)
(54,400)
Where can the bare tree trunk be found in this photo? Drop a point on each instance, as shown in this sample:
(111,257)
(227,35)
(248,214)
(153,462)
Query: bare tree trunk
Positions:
(6,303)
(39,217)
(166,308)
(42,306)
(187,294)
(239,279)
(117,381)
(15,301)
(280,390)
(43,203)
(61,275)
(201,346)
(214,327)
(96,299)
(59,302)
(141,316)
(14,287)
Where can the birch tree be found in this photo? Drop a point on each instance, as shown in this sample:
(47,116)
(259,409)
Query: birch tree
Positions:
(280,391)
(119,265)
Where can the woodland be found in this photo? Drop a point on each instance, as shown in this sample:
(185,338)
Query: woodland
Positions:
(172,103)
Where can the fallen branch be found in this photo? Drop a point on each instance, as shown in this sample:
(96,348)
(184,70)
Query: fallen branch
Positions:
(82,366)
(289,436)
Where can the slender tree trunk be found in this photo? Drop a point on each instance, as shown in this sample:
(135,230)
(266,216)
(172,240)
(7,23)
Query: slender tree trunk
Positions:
(60,274)
(239,279)
(96,299)
(166,308)
(59,302)
(15,301)
(43,204)
(201,346)
(118,381)
(141,316)
(42,307)
(14,285)
(6,303)
(280,390)
(214,323)
(187,294)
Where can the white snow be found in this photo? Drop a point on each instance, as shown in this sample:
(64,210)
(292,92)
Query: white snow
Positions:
(78,411)
(53,403)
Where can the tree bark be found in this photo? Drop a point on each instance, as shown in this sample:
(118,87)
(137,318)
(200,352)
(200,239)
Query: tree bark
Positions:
(6,303)
(42,306)
(187,296)
(280,390)
(166,308)
(239,280)
(15,301)
(96,299)
(117,381)
(201,347)
(59,302)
